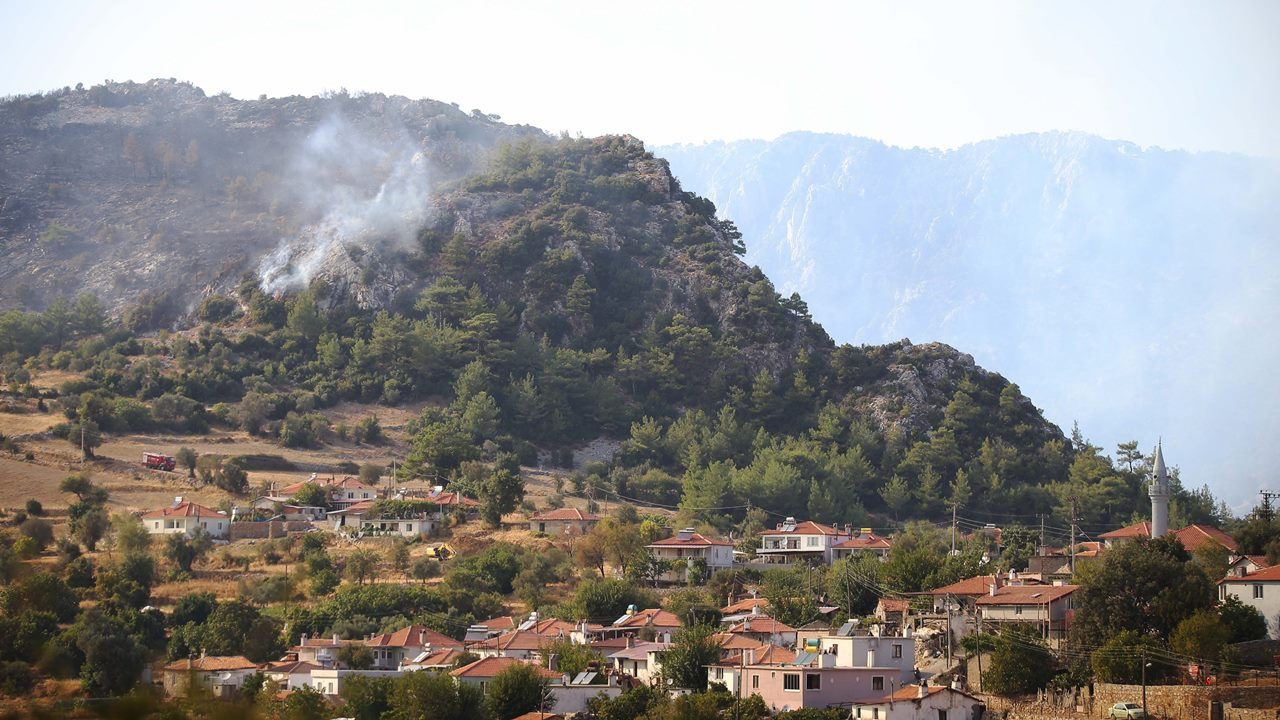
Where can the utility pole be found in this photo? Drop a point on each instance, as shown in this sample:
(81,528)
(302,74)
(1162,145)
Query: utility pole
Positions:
(954,505)
(1144,682)
(978,637)
(1043,547)
(948,601)
(1074,518)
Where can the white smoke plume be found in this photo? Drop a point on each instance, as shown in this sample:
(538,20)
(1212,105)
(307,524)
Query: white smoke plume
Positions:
(364,190)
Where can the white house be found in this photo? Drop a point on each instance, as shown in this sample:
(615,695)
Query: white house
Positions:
(291,675)
(791,542)
(864,542)
(692,548)
(921,702)
(563,521)
(640,660)
(874,650)
(1259,590)
(330,680)
(186,517)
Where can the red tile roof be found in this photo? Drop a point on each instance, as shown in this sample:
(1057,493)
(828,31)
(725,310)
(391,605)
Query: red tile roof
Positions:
(649,618)
(1142,529)
(1027,594)
(502,622)
(1271,574)
(864,542)
(490,666)
(761,624)
(1194,536)
(893,605)
(565,514)
(745,605)
(536,715)
(295,666)
(414,636)
(977,585)
(694,540)
(808,527)
(185,508)
(443,658)
(515,640)
(354,508)
(729,642)
(213,662)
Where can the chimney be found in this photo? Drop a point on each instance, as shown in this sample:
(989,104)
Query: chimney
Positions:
(750,655)
(924,689)
(191,663)
(203,653)
(755,609)
(631,641)
(303,642)
(335,639)
(177,501)
(991,589)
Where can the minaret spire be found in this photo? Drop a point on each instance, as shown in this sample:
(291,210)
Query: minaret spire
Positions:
(1159,491)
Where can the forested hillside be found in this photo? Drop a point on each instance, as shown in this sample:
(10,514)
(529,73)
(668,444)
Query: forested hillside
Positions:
(572,290)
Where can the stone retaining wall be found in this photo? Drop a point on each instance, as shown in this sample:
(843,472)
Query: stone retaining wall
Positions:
(265,529)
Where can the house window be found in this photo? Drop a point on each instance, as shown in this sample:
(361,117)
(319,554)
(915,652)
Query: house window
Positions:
(755,682)
(1017,609)
(942,714)
(877,683)
(408,527)
(791,681)
(719,673)
(897,651)
(1257,592)
(813,541)
(812,681)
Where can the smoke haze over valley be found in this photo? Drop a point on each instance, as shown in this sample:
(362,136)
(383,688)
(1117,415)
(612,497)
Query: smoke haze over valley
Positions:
(1132,289)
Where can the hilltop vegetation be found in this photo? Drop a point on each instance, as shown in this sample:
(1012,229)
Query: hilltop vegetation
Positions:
(572,291)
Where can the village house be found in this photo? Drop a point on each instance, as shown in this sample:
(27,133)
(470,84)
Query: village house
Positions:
(563,521)
(1193,537)
(765,630)
(432,660)
(922,702)
(342,491)
(895,655)
(319,651)
(640,660)
(737,610)
(864,542)
(1243,565)
(184,517)
(728,671)
(481,672)
(1048,608)
(792,542)
(1259,590)
(390,650)
(283,508)
(291,675)
(814,682)
(893,611)
(652,623)
(688,549)
(330,681)
(220,675)
(1127,533)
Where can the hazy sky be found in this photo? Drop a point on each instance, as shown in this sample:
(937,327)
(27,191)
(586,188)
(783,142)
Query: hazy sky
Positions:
(1193,75)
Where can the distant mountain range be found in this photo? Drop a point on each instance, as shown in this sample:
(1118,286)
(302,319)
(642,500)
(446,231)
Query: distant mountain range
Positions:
(1136,290)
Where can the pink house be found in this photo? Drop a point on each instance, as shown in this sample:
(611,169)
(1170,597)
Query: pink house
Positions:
(818,685)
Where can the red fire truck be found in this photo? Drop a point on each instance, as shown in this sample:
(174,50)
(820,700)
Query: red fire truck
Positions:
(156,461)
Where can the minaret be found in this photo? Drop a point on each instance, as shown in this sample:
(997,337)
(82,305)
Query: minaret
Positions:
(1159,492)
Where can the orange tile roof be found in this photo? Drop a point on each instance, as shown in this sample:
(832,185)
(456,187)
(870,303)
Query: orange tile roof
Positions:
(977,585)
(490,666)
(443,658)
(502,622)
(761,624)
(1194,536)
(1271,574)
(651,617)
(211,663)
(864,542)
(354,508)
(185,508)
(729,642)
(1141,529)
(565,514)
(694,540)
(294,666)
(890,605)
(414,636)
(516,640)
(808,527)
(745,605)
(1027,594)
